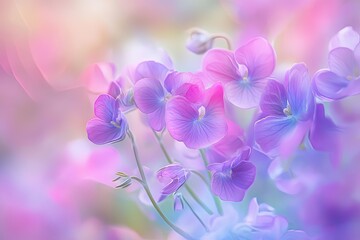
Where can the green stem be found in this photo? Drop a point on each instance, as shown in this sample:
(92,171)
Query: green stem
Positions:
(191,192)
(195,214)
(147,190)
(215,198)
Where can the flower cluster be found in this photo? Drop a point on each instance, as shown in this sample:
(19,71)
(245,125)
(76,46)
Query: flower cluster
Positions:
(198,109)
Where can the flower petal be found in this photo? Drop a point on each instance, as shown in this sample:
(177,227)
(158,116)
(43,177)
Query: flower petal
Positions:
(342,62)
(222,186)
(270,131)
(220,65)
(329,86)
(157,118)
(300,96)
(323,133)
(100,132)
(148,95)
(346,37)
(274,99)
(258,56)
(243,174)
(245,94)
(106,108)
(184,124)
(150,69)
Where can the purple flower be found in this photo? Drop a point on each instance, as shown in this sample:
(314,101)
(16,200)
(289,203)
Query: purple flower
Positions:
(174,176)
(232,178)
(110,124)
(244,73)
(198,124)
(342,79)
(287,112)
(149,94)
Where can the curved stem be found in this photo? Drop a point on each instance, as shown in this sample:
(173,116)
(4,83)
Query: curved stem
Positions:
(215,198)
(191,192)
(195,214)
(147,190)
(225,38)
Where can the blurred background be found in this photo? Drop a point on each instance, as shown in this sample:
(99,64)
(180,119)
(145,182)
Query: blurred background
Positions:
(52,178)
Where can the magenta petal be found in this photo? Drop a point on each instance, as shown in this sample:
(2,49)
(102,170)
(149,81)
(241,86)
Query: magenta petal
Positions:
(150,69)
(105,108)
(258,56)
(175,79)
(222,186)
(270,131)
(157,118)
(274,99)
(342,62)
(329,86)
(323,132)
(148,95)
(243,174)
(245,95)
(100,132)
(184,124)
(220,65)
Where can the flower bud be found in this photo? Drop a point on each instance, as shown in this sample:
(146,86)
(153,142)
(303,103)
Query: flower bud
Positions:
(199,41)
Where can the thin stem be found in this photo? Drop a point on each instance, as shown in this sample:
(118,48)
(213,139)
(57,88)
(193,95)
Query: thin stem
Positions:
(195,214)
(197,199)
(201,177)
(215,198)
(191,192)
(225,38)
(167,156)
(147,190)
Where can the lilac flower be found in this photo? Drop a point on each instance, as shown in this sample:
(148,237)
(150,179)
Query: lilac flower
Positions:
(342,79)
(178,202)
(149,94)
(244,73)
(262,223)
(174,175)
(286,112)
(109,125)
(198,125)
(232,178)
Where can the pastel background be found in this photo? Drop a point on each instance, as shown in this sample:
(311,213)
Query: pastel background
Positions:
(54,183)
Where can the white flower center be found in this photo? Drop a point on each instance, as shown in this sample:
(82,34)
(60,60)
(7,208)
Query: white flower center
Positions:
(202,112)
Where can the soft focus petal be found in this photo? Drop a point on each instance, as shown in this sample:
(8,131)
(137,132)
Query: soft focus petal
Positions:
(274,99)
(346,37)
(245,94)
(105,108)
(157,118)
(148,95)
(150,69)
(269,131)
(295,235)
(300,97)
(100,132)
(329,86)
(258,56)
(324,134)
(243,174)
(222,186)
(342,62)
(220,65)
(114,90)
